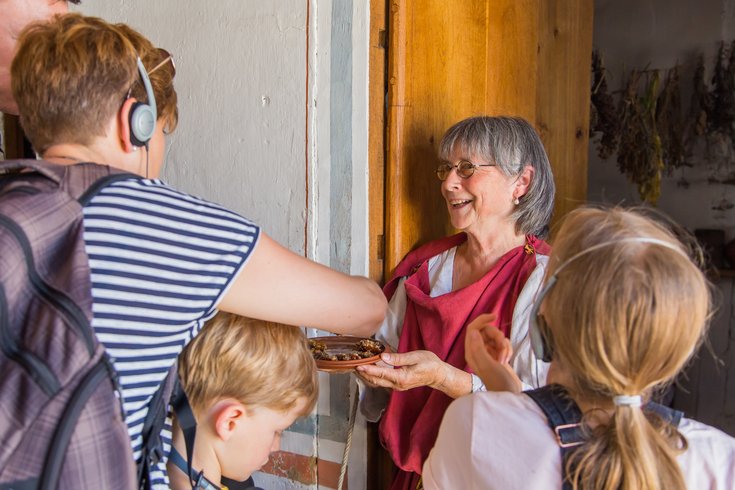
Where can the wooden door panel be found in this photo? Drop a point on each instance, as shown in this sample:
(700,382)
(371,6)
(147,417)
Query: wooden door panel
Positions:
(451,60)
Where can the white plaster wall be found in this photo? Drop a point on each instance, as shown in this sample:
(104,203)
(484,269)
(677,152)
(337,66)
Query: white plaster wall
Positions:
(241,80)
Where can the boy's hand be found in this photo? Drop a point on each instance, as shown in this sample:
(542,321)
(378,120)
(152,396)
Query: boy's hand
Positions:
(488,354)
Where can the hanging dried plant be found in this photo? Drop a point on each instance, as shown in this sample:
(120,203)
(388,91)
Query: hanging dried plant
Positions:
(720,135)
(630,113)
(699,106)
(669,121)
(640,155)
(604,118)
(728,97)
(722,113)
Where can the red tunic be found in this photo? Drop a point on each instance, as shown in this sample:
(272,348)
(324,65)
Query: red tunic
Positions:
(409,426)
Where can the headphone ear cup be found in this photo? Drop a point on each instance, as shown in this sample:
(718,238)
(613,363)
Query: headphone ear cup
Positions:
(539,343)
(537,328)
(142,124)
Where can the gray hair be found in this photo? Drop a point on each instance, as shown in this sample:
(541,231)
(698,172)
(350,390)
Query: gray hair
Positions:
(511,143)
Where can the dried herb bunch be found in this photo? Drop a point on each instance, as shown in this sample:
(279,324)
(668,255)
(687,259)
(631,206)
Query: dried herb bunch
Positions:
(669,121)
(722,110)
(606,121)
(648,129)
(640,154)
(699,107)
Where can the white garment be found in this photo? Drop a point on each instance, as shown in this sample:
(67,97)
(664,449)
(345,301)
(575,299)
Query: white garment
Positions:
(531,371)
(500,440)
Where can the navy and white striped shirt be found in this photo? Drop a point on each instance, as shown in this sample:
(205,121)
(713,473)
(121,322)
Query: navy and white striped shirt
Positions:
(160,261)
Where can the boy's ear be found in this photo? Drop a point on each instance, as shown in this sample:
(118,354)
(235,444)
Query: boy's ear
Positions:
(123,120)
(227,414)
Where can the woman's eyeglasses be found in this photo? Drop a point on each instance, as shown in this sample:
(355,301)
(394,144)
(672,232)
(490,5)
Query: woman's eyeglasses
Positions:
(464,168)
(165,58)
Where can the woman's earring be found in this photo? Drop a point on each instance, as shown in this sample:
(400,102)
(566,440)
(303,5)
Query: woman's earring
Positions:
(516,201)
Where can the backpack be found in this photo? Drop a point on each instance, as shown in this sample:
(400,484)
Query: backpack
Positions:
(564,417)
(61,417)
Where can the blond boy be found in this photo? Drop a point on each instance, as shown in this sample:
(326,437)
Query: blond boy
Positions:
(247,381)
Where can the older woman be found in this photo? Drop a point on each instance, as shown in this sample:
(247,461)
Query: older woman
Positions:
(499,189)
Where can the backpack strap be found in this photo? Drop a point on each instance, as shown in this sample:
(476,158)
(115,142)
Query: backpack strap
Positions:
(49,170)
(81,180)
(564,417)
(155,419)
(200,481)
(188,425)
(562,413)
(669,415)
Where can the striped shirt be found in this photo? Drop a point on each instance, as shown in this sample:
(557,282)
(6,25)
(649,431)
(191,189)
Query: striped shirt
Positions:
(160,261)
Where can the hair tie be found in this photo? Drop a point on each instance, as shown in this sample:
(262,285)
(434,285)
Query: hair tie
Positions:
(627,400)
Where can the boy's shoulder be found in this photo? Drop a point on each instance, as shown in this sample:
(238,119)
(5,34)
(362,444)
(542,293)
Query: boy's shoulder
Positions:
(159,199)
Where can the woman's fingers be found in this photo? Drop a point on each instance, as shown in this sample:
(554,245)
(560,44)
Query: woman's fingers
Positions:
(377,375)
(412,369)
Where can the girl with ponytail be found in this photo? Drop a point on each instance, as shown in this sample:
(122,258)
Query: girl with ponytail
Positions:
(623,309)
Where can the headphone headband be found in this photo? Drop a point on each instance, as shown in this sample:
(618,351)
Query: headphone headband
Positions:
(148,87)
(143,115)
(538,331)
(637,239)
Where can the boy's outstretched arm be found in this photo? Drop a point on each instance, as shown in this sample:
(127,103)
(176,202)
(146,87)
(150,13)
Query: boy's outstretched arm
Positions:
(278,285)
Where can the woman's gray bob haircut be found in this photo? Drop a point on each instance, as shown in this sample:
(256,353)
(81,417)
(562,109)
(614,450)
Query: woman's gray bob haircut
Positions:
(511,143)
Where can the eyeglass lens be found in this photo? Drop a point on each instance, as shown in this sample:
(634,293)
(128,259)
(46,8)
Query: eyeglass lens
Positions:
(464,168)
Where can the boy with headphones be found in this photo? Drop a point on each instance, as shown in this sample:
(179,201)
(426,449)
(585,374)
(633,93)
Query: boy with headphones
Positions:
(162,262)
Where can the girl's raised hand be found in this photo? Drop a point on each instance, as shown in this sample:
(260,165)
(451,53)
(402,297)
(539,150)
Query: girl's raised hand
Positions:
(488,353)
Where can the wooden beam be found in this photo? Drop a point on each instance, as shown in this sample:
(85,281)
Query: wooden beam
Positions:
(376,137)
(563,95)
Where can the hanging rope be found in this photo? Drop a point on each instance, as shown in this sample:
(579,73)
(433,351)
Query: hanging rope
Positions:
(346,454)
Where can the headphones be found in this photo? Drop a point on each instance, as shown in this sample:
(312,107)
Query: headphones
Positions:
(143,115)
(541,340)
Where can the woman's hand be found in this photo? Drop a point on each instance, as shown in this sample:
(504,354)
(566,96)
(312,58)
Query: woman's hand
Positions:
(488,354)
(415,369)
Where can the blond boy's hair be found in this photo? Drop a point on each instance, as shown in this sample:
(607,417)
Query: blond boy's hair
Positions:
(256,362)
(71,74)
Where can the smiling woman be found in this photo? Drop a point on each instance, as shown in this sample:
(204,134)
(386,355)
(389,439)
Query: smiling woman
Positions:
(499,191)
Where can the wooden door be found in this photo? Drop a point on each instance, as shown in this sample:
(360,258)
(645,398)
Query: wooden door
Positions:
(451,60)
(448,60)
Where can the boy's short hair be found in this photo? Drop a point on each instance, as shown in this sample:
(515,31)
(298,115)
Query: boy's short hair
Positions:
(71,74)
(256,362)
